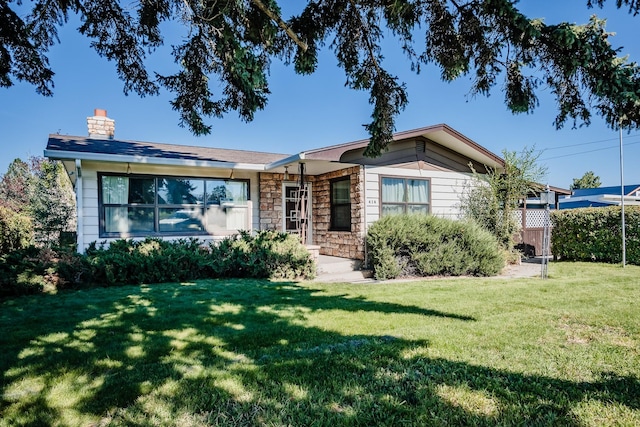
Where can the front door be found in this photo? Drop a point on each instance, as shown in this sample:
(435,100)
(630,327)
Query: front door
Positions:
(295,205)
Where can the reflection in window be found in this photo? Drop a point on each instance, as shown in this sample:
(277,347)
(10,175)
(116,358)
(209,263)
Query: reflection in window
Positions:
(131,219)
(146,205)
(404,195)
(227,192)
(181,219)
(176,191)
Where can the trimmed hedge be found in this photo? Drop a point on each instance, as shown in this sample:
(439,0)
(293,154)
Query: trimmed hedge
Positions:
(595,234)
(425,245)
(269,254)
(151,260)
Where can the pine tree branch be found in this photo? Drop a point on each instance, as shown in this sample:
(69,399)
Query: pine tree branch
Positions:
(275,18)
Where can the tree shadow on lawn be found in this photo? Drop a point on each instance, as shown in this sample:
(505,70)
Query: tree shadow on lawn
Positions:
(240,352)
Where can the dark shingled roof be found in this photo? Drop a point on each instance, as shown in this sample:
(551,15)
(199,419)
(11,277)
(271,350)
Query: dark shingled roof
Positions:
(152,149)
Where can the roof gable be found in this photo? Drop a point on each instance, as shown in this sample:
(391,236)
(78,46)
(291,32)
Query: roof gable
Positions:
(441,135)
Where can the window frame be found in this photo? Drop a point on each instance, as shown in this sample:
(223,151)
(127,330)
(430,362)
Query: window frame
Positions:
(405,203)
(156,206)
(333,205)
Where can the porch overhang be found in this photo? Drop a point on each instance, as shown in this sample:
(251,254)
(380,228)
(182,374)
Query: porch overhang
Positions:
(312,166)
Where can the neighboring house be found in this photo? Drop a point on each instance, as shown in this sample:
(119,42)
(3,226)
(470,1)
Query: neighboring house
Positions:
(135,189)
(601,196)
(533,217)
(535,199)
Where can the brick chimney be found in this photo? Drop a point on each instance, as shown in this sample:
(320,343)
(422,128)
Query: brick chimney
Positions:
(100,126)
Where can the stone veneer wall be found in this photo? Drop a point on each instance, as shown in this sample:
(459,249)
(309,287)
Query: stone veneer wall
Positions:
(346,244)
(270,201)
(271,198)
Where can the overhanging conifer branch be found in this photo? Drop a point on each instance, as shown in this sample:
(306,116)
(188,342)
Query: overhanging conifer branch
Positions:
(275,18)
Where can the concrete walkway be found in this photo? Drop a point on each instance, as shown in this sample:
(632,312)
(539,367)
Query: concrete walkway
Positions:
(343,270)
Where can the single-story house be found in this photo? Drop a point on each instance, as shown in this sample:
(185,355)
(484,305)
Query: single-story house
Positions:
(133,189)
(601,196)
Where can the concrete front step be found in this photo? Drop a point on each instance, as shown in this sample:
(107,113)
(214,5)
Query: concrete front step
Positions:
(335,269)
(332,264)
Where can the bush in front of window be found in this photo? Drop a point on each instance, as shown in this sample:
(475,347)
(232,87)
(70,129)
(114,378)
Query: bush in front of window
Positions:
(425,245)
(151,260)
(268,254)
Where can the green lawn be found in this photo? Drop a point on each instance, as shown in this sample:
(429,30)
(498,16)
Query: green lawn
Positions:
(565,351)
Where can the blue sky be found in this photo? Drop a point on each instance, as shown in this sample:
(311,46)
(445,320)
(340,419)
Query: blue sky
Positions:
(306,112)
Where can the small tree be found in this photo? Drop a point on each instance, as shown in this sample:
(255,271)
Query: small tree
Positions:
(53,202)
(37,201)
(492,199)
(588,180)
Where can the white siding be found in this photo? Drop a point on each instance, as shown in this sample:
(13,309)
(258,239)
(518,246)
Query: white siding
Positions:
(89,205)
(446,189)
(90,191)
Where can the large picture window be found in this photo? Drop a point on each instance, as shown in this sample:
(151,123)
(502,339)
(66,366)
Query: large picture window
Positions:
(133,205)
(341,205)
(404,195)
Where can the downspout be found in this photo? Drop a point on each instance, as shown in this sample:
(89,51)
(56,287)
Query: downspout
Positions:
(79,208)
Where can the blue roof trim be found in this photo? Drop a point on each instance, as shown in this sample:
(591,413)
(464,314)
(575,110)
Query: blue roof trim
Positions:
(583,204)
(604,190)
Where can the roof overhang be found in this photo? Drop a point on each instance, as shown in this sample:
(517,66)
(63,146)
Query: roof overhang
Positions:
(312,166)
(317,161)
(99,157)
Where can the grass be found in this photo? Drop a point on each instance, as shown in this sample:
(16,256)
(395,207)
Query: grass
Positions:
(565,351)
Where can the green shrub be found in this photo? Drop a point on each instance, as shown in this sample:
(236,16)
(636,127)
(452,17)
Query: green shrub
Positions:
(151,260)
(281,256)
(425,245)
(20,273)
(595,234)
(269,254)
(33,269)
(16,230)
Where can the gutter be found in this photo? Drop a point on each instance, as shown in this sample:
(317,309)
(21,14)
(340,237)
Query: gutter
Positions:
(287,160)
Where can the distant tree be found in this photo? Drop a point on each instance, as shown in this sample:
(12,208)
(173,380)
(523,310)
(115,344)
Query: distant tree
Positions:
(16,187)
(229,45)
(492,198)
(588,180)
